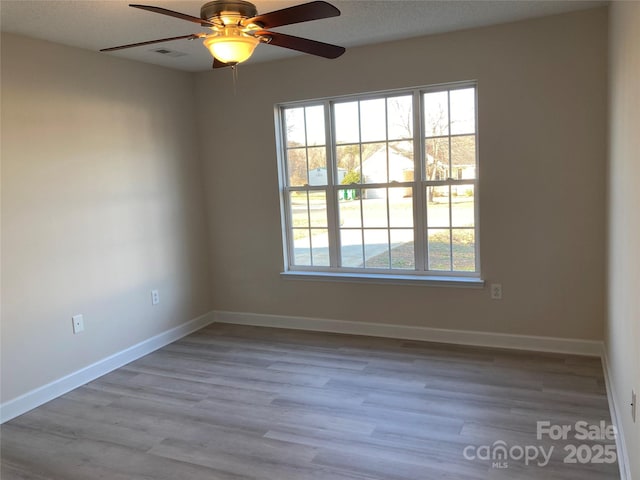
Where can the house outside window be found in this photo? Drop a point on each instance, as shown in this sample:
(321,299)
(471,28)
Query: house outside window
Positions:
(381,184)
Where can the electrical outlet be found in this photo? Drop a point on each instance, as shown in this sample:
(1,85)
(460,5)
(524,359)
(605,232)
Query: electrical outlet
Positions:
(78,323)
(633,405)
(155,297)
(496,291)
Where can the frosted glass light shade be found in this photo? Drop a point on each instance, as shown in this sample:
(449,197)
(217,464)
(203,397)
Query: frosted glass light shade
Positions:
(231,47)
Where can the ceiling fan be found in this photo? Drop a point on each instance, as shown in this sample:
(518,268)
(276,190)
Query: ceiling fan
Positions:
(237,29)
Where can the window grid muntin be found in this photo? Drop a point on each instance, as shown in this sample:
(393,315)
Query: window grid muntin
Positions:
(419,183)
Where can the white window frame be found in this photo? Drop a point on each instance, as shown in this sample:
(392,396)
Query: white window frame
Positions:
(419,185)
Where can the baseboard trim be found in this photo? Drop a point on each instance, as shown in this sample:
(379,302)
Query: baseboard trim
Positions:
(614,408)
(41,395)
(459,337)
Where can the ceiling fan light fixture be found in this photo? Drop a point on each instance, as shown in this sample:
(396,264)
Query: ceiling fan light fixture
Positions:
(231,47)
(237,29)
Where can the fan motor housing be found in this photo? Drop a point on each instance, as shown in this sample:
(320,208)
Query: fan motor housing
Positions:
(214,9)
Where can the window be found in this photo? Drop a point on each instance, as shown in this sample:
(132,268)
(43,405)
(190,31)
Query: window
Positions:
(382,184)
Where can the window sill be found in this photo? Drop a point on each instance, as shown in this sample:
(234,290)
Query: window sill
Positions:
(384,279)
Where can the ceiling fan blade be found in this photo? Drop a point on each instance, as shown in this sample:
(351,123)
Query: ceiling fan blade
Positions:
(139,44)
(299,13)
(300,44)
(218,64)
(171,13)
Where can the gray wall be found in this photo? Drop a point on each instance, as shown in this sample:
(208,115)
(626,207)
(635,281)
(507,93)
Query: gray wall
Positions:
(542,143)
(622,334)
(102,200)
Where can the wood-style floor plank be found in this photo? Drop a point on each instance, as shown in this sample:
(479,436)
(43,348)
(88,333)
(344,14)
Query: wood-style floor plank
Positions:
(247,403)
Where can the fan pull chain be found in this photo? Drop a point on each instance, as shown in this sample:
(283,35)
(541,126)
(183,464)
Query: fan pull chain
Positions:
(234,69)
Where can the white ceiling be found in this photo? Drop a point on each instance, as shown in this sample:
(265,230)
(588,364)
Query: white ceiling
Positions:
(95,24)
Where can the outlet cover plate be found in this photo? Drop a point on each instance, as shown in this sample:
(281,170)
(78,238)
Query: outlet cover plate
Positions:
(78,324)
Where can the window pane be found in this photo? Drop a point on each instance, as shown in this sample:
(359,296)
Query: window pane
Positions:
(320,247)
(437,149)
(294,122)
(464,250)
(436,114)
(438,206)
(315,125)
(301,247)
(401,166)
(349,208)
(297,166)
(462,211)
(299,210)
(348,158)
(437,158)
(317,157)
(402,254)
(373,123)
(317,165)
(351,248)
(318,209)
(347,124)
(318,176)
(376,248)
(463,111)
(401,207)
(344,179)
(400,117)
(463,157)
(374,163)
(439,249)
(374,207)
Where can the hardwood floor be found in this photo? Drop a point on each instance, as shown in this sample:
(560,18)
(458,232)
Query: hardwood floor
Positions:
(233,402)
